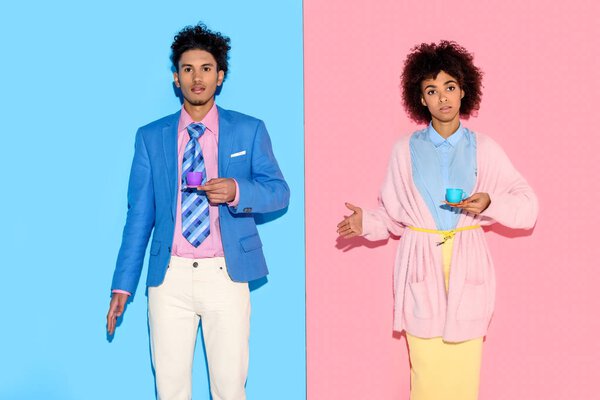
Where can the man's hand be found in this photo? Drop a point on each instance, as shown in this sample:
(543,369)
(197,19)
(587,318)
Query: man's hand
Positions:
(117,306)
(219,190)
(351,226)
(476,204)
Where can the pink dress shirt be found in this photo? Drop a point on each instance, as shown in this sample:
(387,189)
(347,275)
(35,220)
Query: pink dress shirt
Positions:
(211,246)
(209,141)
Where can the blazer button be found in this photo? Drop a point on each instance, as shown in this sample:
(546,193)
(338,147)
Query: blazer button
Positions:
(195,264)
(247,210)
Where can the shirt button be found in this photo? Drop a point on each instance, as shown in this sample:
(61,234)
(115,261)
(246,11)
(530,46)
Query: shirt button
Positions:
(195,264)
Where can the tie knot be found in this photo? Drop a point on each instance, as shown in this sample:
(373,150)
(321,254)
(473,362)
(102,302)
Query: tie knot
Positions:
(196,130)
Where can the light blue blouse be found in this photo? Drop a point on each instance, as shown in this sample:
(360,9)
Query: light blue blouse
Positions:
(439,163)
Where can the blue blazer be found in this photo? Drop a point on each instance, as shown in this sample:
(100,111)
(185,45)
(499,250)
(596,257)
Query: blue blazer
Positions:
(152,198)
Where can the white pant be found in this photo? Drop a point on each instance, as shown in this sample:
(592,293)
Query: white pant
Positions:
(193,291)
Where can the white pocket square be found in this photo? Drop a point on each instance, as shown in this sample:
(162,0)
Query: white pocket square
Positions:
(239,153)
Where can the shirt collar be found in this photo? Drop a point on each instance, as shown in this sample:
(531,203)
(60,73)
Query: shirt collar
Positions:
(438,140)
(210,120)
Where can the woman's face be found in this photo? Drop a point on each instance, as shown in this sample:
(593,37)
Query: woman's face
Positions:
(442,97)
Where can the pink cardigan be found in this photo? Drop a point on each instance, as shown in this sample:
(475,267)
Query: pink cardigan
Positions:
(421,306)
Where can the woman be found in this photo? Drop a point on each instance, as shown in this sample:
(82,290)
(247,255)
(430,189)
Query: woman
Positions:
(444,281)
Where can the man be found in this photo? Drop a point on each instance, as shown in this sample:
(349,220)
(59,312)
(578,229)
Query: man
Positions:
(205,245)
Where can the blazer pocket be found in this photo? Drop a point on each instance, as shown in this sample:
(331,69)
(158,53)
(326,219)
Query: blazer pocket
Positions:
(240,158)
(421,304)
(472,302)
(155,248)
(250,243)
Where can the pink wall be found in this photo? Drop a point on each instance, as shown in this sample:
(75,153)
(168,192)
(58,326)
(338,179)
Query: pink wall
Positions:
(541,98)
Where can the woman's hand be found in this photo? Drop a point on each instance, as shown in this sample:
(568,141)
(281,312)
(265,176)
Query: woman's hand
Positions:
(351,226)
(476,203)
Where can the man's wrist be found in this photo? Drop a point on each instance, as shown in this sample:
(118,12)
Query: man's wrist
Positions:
(236,198)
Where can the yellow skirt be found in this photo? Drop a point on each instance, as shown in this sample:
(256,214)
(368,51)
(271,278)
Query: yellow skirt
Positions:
(442,370)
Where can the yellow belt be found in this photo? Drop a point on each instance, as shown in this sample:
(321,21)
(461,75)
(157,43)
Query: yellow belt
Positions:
(447,235)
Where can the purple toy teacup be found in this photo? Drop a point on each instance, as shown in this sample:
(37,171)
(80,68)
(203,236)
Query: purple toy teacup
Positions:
(193,178)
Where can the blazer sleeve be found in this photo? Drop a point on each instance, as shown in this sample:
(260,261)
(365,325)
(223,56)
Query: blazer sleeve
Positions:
(514,203)
(379,223)
(266,191)
(139,222)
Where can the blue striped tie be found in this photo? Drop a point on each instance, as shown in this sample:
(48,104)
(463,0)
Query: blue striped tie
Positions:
(195,222)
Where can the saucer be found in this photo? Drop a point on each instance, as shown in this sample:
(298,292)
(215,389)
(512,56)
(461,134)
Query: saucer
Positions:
(451,204)
(191,188)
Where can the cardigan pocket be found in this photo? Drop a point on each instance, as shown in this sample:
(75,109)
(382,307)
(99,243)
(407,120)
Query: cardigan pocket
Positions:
(421,304)
(472,302)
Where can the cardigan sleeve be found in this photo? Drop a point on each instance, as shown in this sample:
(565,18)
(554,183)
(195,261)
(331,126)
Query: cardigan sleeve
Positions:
(513,202)
(379,223)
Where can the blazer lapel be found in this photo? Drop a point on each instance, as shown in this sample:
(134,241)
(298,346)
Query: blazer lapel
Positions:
(225,140)
(169,134)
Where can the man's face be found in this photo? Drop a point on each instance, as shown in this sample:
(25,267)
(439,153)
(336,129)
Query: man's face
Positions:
(198,77)
(442,97)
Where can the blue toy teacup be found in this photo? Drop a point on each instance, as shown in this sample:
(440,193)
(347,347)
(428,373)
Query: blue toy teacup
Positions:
(455,195)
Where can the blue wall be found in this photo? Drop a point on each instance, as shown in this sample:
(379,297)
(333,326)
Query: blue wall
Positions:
(76,80)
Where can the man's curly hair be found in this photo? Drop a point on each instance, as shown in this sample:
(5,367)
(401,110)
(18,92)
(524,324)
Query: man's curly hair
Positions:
(425,61)
(200,37)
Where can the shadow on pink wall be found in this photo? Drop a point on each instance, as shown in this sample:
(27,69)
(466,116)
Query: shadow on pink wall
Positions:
(348,244)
